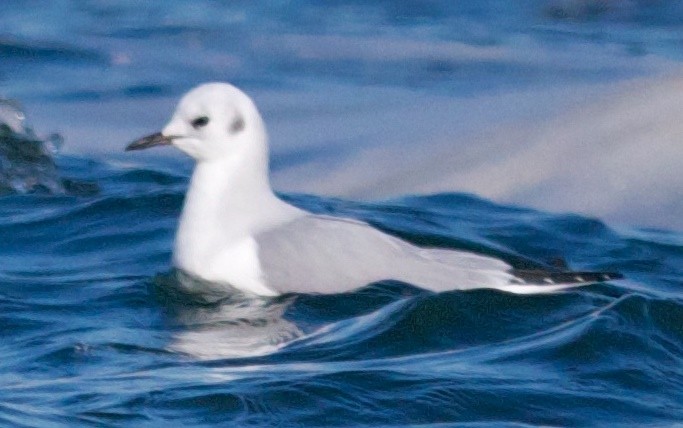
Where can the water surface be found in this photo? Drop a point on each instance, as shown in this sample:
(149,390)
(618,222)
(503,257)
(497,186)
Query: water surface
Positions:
(412,105)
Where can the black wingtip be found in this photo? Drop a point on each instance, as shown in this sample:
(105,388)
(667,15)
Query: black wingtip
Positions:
(565,277)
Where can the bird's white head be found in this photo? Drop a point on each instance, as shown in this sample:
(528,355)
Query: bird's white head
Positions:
(213,121)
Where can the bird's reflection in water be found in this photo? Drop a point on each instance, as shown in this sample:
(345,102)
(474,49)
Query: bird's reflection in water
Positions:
(215,326)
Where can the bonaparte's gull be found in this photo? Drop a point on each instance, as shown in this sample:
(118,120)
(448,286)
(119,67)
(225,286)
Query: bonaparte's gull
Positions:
(235,232)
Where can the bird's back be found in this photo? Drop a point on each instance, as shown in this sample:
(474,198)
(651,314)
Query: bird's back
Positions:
(321,254)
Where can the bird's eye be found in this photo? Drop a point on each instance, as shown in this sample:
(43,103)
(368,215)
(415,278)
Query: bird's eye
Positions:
(200,122)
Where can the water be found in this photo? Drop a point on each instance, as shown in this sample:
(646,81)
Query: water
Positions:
(94,332)
(97,332)
(386,99)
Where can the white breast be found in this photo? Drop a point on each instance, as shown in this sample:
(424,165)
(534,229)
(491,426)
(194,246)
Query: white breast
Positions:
(236,265)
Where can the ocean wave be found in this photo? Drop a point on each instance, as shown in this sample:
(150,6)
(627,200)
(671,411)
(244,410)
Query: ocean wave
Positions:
(89,302)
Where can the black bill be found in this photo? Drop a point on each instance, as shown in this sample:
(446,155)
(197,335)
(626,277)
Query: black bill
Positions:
(150,141)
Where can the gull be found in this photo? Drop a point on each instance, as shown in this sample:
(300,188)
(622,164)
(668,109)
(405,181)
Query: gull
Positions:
(236,233)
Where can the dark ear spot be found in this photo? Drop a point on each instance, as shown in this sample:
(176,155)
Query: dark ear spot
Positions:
(237,125)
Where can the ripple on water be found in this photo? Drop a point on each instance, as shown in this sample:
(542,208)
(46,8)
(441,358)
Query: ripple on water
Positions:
(88,303)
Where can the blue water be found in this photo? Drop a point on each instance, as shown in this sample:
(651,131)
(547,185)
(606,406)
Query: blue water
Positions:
(96,332)
(89,313)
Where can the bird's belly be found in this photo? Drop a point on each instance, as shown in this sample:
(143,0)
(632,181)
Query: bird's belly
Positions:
(236,265)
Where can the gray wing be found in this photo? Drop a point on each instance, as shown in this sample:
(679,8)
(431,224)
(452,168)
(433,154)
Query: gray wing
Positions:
(320,254)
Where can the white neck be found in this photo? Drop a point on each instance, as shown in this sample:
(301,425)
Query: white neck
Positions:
(229,199)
